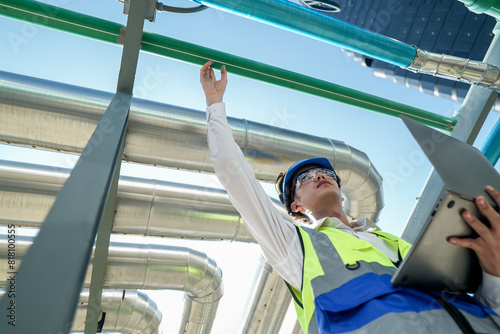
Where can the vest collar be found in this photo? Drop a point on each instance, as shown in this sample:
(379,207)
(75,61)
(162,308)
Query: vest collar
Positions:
(363,224)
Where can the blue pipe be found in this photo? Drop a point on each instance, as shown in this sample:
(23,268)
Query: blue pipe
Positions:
(293,17)
(491,147)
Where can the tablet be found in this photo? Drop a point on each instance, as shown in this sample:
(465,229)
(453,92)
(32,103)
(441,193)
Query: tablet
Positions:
(433,262)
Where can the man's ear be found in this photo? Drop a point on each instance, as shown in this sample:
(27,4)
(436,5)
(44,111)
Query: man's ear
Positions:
(295,207)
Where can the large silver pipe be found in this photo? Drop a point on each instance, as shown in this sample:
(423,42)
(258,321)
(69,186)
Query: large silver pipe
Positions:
(297,329)
(46,114)
(144,206)
(456,68)
(149,207)
(267,304)
(133,266)
(124,311)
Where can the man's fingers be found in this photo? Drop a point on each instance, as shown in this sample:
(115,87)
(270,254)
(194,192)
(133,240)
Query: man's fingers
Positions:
(486,245)
(463,242)
(478,226)
(205,69)
(494,194)
(208,64)
(488,211)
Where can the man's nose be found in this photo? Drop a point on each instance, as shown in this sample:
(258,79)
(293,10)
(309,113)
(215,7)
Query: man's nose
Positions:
(319,176)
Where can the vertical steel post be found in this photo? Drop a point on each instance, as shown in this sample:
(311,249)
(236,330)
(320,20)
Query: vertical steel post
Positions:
(126,78)
(45,289)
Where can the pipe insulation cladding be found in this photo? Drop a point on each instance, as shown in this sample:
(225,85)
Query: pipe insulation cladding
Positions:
(152,267)
(153,208)
(45,114)
(143,206)
(123,311)
(456,68)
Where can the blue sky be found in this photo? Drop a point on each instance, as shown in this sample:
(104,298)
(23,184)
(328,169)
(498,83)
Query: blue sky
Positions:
(39,52)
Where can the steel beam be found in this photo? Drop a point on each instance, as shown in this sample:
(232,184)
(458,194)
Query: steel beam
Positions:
(48,283)
(132,44)
(126,77)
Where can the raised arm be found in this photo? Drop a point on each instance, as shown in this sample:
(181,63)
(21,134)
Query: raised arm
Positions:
(276,236)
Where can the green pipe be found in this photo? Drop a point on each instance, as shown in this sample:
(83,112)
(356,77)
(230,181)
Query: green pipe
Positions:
(59,18)
(106,31)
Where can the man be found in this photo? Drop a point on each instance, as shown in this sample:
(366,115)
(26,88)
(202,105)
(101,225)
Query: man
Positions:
(338,272)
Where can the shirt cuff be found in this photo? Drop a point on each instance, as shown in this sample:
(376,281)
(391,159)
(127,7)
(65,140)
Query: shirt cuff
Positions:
(490,289)
(216,110)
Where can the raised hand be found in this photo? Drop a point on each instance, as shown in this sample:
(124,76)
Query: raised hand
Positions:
(214,89)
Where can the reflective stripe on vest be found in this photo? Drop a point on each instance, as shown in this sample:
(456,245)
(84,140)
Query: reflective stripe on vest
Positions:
(332,264)
(382,307)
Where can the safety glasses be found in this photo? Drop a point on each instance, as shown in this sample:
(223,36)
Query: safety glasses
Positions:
(309,176)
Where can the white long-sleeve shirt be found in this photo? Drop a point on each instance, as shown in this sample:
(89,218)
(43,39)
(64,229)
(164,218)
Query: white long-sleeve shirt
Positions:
(276,236)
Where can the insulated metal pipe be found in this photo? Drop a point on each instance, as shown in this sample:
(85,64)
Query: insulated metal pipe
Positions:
(456,68)
(297,329)
(124,311)
(45,114)
(147,266)
(143,206)
(106,31)
(154,208)
(268,302)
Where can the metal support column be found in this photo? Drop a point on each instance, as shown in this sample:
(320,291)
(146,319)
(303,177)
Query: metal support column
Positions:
(473,112)
(126,77)
(43,292)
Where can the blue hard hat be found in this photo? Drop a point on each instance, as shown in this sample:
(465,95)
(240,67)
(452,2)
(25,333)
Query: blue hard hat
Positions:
(284,178)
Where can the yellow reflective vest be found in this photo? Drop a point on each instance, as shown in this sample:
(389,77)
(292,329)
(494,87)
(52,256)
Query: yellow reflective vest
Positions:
(346,289)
